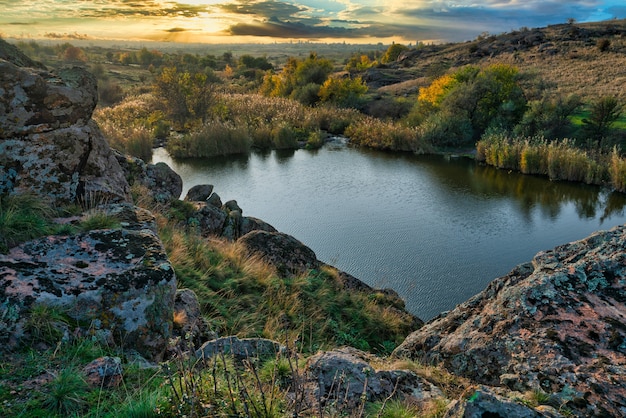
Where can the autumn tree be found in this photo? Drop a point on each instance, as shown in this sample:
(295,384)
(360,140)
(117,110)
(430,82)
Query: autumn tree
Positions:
(393,52)
(344,92)
(299,79)
(185,94)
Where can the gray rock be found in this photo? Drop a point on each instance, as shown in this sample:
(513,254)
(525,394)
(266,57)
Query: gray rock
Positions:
(189,324)
(48,143)
(345,377)
(232,225)
(232,205)
(163,183)
(240,349)
(199,193)
(287,254)
(209,219)
(117,284)
(249,224)
(214,200)
(485,403)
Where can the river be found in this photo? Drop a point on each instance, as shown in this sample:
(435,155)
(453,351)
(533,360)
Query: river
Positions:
(437,230)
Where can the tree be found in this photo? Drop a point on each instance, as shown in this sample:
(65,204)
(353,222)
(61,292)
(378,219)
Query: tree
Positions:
(548,118)
(485,97)
(74,53)
(393,52)
(345,92)
(185,94)
(602,115)
(299,79)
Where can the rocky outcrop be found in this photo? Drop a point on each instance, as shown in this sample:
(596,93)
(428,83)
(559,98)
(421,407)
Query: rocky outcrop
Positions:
(215,218)
(162,183)
(556,325)
(48,143)
(114,284)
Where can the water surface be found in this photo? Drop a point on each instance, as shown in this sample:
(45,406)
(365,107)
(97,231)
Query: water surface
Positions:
(434,229)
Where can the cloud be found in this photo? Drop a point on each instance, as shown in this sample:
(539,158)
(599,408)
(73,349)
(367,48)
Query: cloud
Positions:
(264,8)
(175,30)
(75,35)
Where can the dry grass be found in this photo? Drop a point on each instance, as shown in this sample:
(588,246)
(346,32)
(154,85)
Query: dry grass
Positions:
(566,58)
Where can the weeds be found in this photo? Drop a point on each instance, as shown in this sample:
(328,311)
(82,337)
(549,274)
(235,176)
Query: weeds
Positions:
(22,218)
(558,160)
(65,395)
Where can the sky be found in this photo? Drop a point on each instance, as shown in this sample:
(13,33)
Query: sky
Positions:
(265,21)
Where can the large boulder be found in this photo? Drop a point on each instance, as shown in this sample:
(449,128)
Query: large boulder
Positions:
(48,143)
(346,378)
(114,284)
(289,256)
(556,325)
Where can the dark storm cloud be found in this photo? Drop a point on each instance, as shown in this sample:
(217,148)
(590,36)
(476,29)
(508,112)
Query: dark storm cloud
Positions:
(263,9)
(175,30)
(279,29)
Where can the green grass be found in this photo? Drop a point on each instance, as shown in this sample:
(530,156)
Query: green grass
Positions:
(577,119)
(22,218)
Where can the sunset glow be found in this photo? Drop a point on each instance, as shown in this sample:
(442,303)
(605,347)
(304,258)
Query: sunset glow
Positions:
(353,21)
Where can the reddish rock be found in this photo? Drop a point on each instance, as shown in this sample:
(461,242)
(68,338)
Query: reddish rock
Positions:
(557,324)
(104,372)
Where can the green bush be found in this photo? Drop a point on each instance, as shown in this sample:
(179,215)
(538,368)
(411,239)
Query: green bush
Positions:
(443,129)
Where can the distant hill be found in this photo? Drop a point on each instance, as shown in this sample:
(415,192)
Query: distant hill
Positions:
(588,59)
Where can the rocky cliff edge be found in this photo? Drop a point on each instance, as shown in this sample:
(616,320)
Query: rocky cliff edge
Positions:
(557,324)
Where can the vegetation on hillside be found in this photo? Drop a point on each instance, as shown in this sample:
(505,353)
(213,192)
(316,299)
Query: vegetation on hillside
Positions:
(239,295)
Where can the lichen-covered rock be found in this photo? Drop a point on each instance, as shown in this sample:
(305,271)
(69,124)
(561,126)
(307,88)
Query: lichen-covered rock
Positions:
(116,284)
(104,372)
(556,325)
(483,402)
(346,376)
(48,143)
(240,349)
(163,183)
(287,254)
(189,324)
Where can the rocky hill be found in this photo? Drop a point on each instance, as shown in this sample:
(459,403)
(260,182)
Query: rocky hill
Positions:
(582,58)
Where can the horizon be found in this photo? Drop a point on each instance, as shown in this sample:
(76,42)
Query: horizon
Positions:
(305,21)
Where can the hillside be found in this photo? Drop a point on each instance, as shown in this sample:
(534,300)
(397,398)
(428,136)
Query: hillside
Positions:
(568,58)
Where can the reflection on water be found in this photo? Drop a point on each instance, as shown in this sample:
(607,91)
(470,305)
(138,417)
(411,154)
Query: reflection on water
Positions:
(436,230)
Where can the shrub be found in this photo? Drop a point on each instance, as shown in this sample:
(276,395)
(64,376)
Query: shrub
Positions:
(212,139)
(446,130)
(284,136)
(65,395)
(603,44)
(344,92)
(374,133)
(618,171)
